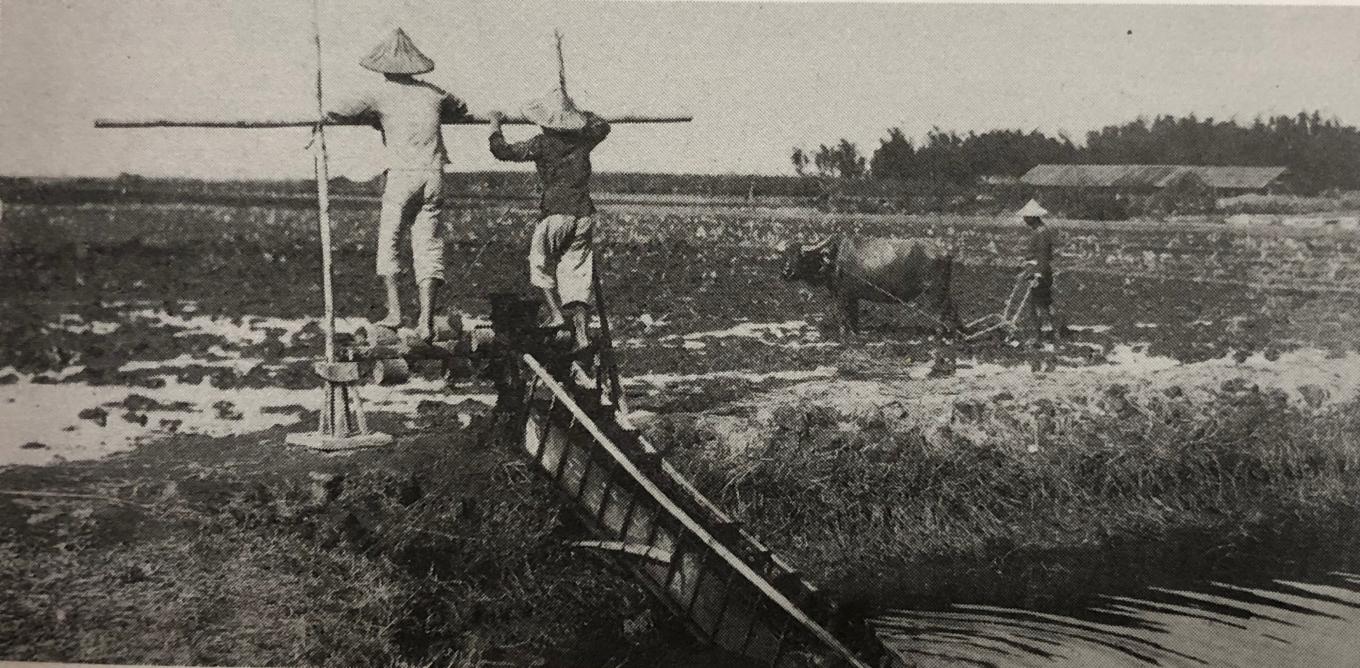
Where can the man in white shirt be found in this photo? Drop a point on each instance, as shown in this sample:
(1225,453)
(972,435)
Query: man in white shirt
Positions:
(409,113)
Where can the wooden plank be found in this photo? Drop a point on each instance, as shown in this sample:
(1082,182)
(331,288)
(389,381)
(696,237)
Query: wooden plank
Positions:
(788,607)
(723,605)
(700,573)
(628,517)
(718,514)
(604,501)
(579,494)
(633,549)
(230,123)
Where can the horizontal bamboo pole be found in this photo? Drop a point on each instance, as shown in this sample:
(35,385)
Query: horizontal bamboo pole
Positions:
(258,123)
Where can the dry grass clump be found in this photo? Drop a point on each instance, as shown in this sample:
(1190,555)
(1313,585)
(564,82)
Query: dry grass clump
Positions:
(880,493)
(211,598)
(374,566)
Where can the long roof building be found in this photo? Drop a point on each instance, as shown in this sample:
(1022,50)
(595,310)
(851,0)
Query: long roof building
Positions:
(1146,177)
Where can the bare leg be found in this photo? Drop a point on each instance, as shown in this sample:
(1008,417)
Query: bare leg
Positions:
(581,367)
(554,302)
(425,326)
(849,316)
(1059,329)
(580,321)
(393,318)
(1036,321)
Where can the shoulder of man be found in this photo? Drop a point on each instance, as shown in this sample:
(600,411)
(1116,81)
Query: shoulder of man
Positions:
(436,90)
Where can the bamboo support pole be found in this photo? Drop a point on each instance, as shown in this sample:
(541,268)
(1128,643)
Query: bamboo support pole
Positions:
(323,193)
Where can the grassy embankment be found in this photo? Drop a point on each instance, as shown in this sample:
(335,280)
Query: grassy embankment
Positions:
(1134,488)
(239,551)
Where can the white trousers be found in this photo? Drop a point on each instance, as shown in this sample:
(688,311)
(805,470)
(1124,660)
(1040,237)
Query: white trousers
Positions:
(562,257)
(412,198)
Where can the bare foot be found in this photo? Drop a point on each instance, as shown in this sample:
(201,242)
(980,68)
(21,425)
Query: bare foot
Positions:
(392,321)
(425,330)
(581,378)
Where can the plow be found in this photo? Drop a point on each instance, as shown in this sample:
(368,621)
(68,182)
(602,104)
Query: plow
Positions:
(1008,320)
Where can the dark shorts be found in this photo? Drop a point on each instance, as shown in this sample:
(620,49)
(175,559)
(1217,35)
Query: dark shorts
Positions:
(1042,292)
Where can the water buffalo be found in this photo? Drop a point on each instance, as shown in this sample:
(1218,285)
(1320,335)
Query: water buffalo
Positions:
(893,271)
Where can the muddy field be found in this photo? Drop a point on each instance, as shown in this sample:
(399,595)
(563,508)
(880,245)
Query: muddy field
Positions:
(155,357)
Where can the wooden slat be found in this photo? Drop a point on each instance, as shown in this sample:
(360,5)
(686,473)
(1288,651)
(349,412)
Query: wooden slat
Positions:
(757,607)
(628,516)
(678,557)
(604,501)
(580,494)
(698,531)
(700,571)
(723,605)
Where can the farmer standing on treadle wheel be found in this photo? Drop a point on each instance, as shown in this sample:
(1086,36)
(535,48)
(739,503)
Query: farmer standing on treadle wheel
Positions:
(561,252)
(408,112)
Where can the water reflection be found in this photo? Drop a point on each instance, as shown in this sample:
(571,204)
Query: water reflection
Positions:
(1283,624)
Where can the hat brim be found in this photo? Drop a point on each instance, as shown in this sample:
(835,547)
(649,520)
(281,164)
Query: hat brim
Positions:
(394,68)
(558,119)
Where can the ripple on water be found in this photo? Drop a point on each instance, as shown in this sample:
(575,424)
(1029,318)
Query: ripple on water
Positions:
(1287,624)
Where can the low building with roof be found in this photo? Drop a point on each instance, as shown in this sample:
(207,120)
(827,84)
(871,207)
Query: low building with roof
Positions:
(1223,181)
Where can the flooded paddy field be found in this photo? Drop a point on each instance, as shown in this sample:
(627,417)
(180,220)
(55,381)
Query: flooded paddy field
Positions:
(989,502)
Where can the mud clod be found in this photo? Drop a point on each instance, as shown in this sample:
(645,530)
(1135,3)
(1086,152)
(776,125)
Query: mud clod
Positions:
(98,416)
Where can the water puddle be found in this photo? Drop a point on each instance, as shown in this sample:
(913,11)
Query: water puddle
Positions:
(666,379)
(48,421)
(791,334)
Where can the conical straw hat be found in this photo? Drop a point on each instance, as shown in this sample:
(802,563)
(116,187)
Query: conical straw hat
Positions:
(397,54)
(1032,210)
(555,111)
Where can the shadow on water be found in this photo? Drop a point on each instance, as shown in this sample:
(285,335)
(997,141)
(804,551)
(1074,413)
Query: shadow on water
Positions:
(1282,595)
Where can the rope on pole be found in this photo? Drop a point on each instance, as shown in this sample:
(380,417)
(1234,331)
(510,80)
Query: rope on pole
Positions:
(323,193)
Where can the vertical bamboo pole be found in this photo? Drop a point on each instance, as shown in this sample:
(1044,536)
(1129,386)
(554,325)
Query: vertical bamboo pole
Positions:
(323,193)
(561,64)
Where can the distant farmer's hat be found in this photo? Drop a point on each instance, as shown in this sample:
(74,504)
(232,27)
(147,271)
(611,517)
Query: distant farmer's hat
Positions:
(1032,210)
(555,111)
(397,54)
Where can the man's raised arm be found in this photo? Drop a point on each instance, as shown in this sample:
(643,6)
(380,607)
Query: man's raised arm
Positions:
(452,109)
(352,108)
(524,151)
(596,128)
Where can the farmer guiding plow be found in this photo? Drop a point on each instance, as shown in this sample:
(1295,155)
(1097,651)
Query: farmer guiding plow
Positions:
(1032,292)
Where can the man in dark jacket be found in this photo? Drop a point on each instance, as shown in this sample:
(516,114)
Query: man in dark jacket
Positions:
(561,253)
(1039,259)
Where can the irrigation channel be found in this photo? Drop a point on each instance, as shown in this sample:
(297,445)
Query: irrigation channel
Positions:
(1286,624)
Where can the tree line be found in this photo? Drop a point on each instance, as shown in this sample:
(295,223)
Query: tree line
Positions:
(1320,153)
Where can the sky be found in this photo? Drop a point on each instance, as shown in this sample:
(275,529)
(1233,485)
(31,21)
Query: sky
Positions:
(760,78)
